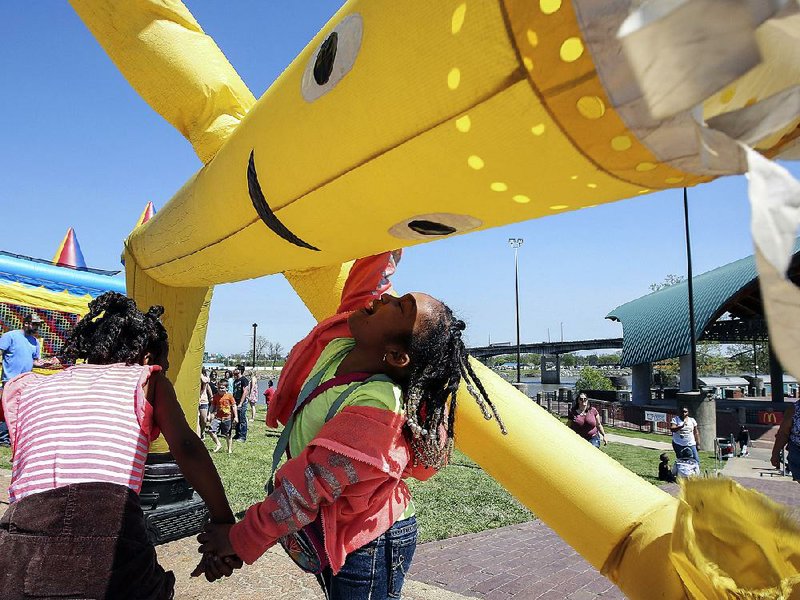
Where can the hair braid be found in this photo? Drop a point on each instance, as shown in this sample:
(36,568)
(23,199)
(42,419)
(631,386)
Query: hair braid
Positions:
(115,331)
(439,362)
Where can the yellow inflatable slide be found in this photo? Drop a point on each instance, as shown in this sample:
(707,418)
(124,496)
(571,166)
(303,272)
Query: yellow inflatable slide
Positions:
(405,122)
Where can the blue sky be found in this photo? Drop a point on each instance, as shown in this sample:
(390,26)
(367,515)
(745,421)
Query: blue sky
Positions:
(81,149)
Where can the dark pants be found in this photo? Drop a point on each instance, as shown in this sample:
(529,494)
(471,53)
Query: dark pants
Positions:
(86,540)
(241,428)
(4,439)
(376,570)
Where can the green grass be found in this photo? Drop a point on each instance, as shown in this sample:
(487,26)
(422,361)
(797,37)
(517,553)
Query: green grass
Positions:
(460,499)
(657,437)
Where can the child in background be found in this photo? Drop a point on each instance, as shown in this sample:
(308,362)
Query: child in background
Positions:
(664,470)
(685,465)
(225,416)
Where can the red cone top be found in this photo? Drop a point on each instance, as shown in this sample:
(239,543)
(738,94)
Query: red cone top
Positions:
(69,252)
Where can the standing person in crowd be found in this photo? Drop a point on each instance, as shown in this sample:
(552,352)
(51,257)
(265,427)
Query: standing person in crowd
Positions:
(223,406)
(252,398)
(585,421)
(229,378)
(80,438)
(368,399)
(685,434)
(21,352)
(788,437)
(743,437)
(205,399)
(241,392)
(269,392)
(212,383)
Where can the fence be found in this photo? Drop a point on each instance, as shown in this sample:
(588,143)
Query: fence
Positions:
(616,414)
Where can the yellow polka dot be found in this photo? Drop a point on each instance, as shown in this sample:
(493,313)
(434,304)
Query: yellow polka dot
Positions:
(751,101)
(621,143)
(727,94)
(643,167)
(645,191)
(463,124)
(673,180)
(591,185)
(533,39)
(574,177)
(591,107)
(549,6)
(454,78)
(537,129)
(498,186)
(559,206)
(458,18)
(520,199)
(528,63)
(571,49)
(476,162)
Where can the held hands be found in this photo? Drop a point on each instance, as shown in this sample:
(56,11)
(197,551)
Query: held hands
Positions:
(219,559)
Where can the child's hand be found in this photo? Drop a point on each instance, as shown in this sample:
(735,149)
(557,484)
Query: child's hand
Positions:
(214,567)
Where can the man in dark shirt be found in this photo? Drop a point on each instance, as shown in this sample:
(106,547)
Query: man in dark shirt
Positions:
(241,391)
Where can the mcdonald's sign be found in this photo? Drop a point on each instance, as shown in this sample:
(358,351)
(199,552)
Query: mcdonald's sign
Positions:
(769,417)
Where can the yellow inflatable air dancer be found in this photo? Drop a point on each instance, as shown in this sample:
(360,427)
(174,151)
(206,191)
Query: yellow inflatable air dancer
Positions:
(405,122)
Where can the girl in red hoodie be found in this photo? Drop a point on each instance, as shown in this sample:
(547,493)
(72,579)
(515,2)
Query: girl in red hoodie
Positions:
(377,386)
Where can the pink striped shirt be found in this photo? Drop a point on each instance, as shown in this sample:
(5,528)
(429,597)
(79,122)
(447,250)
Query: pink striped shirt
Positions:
(86,423)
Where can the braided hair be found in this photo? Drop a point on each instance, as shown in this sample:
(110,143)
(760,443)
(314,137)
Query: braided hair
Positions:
(439,362)
(115,331)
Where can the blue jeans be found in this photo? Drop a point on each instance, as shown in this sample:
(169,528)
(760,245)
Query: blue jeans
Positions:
(677,448)
(4,439)
(241,428)
(596,440)
(376,570)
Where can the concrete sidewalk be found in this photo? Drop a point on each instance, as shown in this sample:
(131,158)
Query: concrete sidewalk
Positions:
(641,442)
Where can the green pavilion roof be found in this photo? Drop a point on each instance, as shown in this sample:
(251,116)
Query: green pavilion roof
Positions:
(656,326)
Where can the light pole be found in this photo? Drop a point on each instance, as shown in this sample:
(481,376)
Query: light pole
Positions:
(516,243)
(255,326)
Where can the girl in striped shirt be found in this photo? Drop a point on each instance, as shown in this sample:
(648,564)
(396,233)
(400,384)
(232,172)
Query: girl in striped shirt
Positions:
(80,440)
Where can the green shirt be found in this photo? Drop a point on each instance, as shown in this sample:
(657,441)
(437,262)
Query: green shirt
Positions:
(378,394)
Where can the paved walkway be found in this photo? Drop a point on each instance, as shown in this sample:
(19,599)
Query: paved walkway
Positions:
(519,562)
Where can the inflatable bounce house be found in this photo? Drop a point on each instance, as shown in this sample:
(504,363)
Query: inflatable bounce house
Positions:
(406,122)
(59,291)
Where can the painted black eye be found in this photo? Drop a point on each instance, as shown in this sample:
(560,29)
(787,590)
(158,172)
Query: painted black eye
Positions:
(325,59)
(433,225)
(430,228)
(333,59)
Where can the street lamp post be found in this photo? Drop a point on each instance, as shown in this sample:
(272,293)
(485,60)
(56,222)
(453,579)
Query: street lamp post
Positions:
(516,243)
(255,326)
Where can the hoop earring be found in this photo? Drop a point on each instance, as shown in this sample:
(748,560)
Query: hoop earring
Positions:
(384,358)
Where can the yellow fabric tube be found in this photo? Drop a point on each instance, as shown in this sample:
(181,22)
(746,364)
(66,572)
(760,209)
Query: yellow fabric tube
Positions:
(178,70)
(617,521)
(186,320)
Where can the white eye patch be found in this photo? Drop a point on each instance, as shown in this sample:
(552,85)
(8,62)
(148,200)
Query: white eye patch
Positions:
(333,59)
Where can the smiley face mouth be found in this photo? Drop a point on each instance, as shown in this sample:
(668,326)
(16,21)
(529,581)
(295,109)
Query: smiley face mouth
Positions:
(265,212)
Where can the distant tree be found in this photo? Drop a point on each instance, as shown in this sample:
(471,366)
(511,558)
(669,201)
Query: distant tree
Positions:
(593,379)
(669,280)
(568,360)
(275,352)
(741,358)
